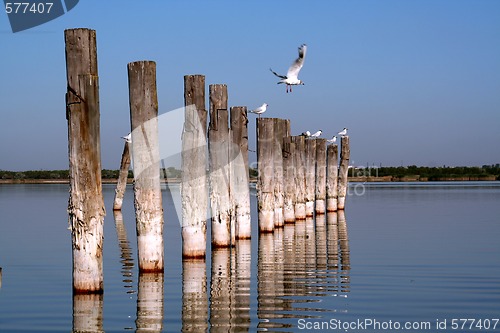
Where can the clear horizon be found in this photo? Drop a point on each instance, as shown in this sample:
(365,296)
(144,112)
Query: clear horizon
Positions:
(416,82)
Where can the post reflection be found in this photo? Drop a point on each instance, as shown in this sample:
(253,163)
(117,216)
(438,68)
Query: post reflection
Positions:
(194,296)
(150,303)
(127,259)
(87,313)
(300,264)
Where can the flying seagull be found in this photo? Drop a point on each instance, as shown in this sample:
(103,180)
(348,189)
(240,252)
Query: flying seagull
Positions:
(332,140)
(317,134)
(291,78)
(343,132)
(128,138)
(306,134)
(260,110)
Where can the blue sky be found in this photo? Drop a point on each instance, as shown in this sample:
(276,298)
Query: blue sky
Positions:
(416,82)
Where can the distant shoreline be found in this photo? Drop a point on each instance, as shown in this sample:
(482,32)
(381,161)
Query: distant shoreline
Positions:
(387,179)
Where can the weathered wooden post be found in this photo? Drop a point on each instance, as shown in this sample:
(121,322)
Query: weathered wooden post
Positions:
(122,178)
(146,155)
(223,233)
(345,254)
(344,169)
(289,180)
(310,176)
(300,177)
(222,291)
(281,130)
(238,156)
(320,176)
(265,180)
(194,188)
(86,206)
(332,168)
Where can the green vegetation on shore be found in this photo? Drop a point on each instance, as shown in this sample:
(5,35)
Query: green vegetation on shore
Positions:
(399,173)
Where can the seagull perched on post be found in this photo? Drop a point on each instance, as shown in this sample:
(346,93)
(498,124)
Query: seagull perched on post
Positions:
(343,132)
(332,140)
(128,137)
(291,78)
(260,110)
(306,134)
(317,134)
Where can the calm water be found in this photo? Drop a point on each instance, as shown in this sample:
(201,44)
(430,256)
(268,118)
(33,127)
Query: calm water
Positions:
(401,254)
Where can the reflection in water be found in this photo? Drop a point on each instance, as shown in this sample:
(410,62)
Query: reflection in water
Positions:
(230,289)
(150,303)
(194,296)
(297,266)
(125,252)
(87,313)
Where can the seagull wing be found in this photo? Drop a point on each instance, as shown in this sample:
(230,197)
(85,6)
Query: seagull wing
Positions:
(280,76)
(293,71)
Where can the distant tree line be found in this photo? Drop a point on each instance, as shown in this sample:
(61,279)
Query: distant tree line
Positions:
(432,173)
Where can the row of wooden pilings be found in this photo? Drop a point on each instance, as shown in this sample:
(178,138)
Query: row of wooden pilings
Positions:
(293,174)
(297,176)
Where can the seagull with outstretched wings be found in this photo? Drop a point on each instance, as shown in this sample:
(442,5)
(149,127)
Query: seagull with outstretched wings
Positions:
(291,77)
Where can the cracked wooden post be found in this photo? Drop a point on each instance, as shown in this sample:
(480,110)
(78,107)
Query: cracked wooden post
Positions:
(239,172)
(223,233)
(121,185)
(281,130)
(332,170)
(345,153)
(300,177)
(289,180)
(310,176)
(194,188)
(146,155)
(265,180)
(86,206)
(320,176)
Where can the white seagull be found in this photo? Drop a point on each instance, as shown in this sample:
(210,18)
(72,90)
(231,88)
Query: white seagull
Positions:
(306,134)
(317,134)
(332,140)
(260,110)
(343,132)
(128,138)
(291,78)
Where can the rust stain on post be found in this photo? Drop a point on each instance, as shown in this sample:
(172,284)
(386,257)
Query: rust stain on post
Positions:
(86,207)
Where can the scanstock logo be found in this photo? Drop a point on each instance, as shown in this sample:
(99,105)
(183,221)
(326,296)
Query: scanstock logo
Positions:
(24,14)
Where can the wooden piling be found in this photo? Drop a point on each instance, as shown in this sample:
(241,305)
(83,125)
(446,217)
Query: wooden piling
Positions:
(146,155)
(344,169)
(332,176)
(238,156)
(300,177)
(194,188)
(320,176)
(122,177)
(310,176)
(288,180)
(86,207)
(281,130)
(265,180)
(223,233)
